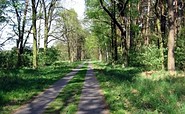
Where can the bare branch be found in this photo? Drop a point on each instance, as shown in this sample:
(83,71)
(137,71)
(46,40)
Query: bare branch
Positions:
(9,38)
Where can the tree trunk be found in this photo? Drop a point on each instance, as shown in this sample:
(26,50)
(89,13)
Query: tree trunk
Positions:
(147,25)
(45,35)
(100,54)
(39,31)
(79,50)
(115,43)
(160,42)
(21,28)
(34,34)
(20,59)
(48,19)
(124,47)
(171,37)
(68,50)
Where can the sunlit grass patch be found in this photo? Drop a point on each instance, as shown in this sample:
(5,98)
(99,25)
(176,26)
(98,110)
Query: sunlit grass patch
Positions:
(68,99)
(126,91)
(18,86)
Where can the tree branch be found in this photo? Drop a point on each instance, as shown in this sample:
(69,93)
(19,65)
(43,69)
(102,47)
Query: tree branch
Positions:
(111,16)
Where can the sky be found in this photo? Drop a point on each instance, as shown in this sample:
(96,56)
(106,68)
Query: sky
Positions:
(77,5)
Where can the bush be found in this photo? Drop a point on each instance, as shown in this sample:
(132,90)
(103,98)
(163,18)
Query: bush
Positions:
(148,57)
(8,59)
(180,51)
(51,56)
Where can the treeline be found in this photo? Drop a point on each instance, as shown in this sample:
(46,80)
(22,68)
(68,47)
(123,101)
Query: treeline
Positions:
(35,22)
(142,33)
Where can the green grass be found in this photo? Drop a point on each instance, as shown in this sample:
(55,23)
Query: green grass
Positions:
(68,99)
(127,91)
(18,86)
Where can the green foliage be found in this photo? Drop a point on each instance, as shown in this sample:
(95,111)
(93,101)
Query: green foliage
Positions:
(3,5)
(18,86)
(8,59)
(148,58)
(99,41)
(51,56)
(127,91)
(91,46)
(180,51)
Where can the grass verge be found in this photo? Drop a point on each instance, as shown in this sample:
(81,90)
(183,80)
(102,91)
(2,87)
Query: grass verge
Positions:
(68,99)
(126,91)
(18,86)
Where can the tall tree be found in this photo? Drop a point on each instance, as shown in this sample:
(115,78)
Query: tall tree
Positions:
(171,36)
(103,31)
(34,19)
(48,18)
(68,29)
(121,8)
(160,29)
(21,23)
(147,22)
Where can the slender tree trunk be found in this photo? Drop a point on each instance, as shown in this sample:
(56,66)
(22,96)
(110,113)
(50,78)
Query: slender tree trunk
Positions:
(45,35)
(39,31)
(48,19)
(159,25)
(114,35)
(39,35)
(147,25)
(171,37)
(79,50)
(20,59)
(125,48)
(34,34)
(160,42)
(112,40)
(115,44)
(100,54)
(68,49)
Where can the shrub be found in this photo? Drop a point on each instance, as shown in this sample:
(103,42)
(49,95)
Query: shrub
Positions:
(49,58)
(180,51)
(8,59)
(148,57)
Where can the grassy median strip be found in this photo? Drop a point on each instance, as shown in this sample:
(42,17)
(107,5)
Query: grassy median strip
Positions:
(127,91)
(68,99)
(18,86)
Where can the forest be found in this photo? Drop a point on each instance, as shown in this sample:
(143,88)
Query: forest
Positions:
(137,48)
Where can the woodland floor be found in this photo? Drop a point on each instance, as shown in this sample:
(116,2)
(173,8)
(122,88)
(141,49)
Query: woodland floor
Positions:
(123,90)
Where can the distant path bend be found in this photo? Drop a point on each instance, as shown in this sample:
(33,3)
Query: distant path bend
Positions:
(38,105)
(91,101)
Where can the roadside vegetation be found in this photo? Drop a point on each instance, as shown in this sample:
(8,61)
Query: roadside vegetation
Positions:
(18,86)
(142,42)
(68,99)
(129,90)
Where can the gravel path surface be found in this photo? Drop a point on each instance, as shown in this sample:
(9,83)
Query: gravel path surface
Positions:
(38,105)
(91,101)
